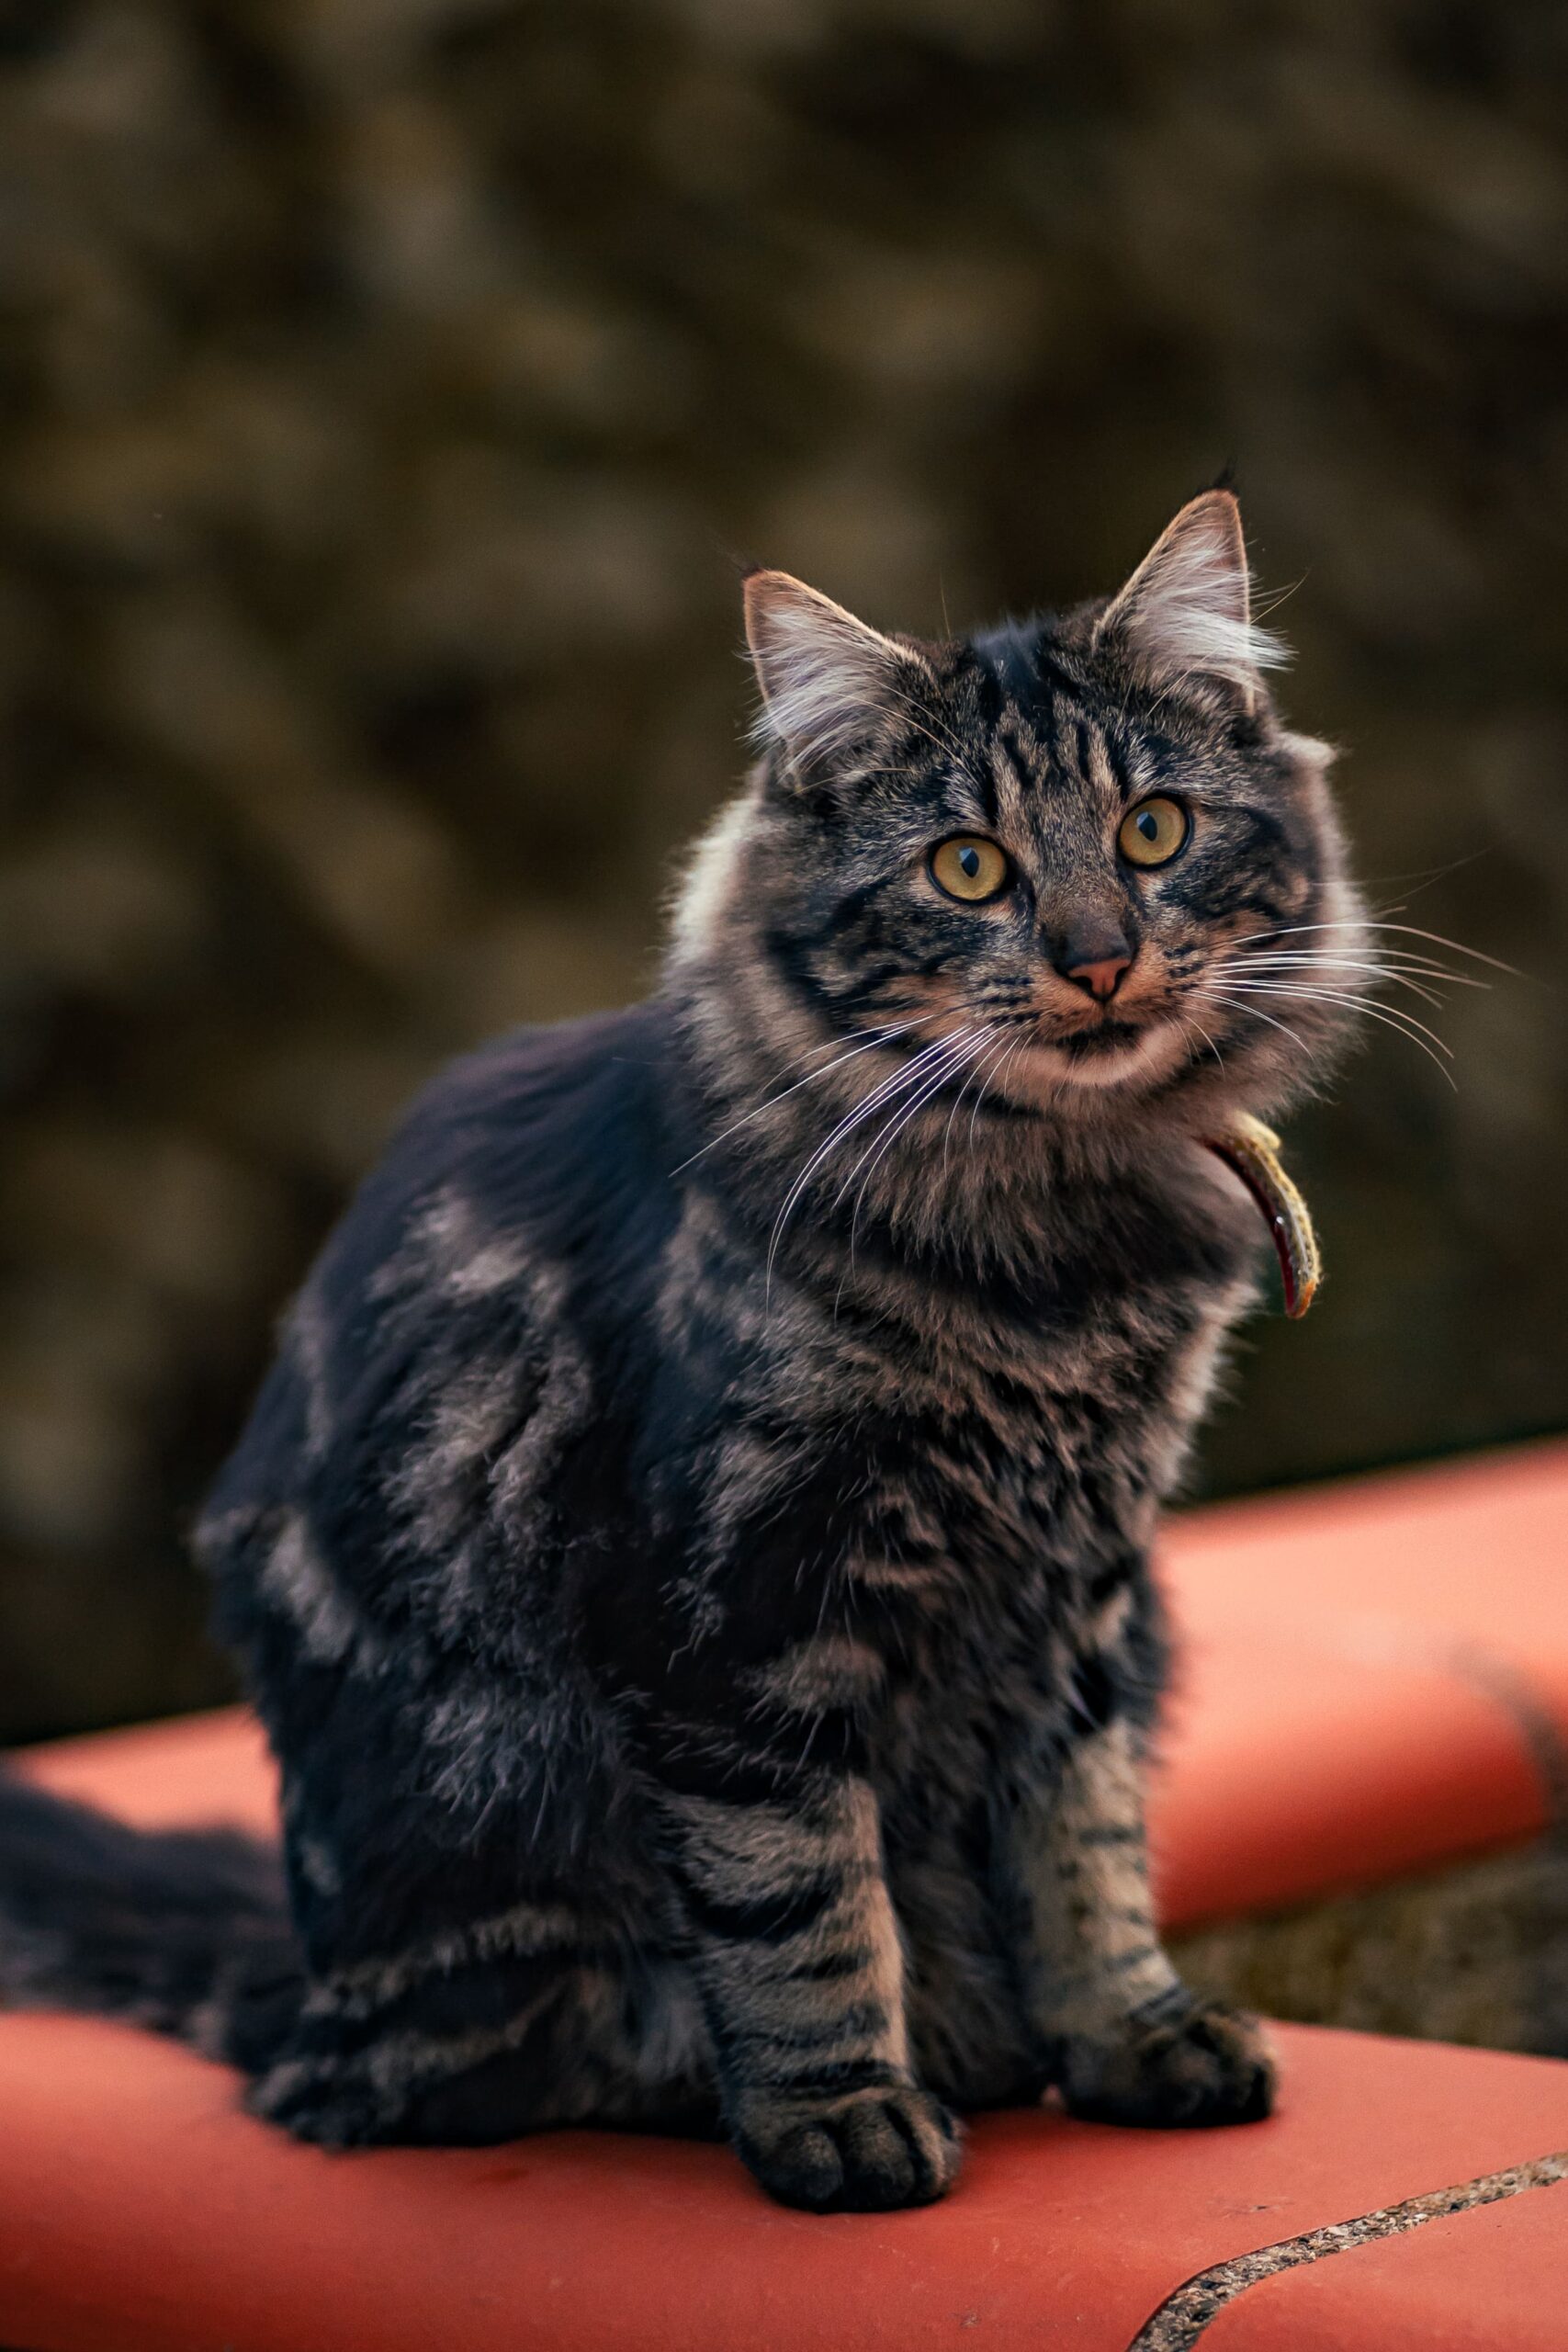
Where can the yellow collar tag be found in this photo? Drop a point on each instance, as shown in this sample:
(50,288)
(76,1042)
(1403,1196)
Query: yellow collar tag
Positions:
(1253,1151)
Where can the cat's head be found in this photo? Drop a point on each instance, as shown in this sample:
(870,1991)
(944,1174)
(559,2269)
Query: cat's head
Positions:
(1068,854)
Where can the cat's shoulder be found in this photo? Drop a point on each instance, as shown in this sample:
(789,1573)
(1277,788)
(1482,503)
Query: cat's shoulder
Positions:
(561,1138)
(553,1082)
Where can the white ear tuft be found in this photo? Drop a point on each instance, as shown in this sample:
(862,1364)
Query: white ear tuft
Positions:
(1185,613)
(827,680)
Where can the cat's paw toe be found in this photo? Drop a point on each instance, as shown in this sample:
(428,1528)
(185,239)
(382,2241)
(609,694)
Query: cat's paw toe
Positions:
(332,2110)
(1211,2066)
(866,2152)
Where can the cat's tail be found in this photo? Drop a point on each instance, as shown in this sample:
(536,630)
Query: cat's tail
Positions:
(184,1931)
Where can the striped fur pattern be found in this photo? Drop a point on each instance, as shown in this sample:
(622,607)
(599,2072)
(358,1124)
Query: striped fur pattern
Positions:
(690,1551)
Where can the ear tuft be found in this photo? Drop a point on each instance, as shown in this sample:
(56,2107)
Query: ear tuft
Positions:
(827,680)
(1186,611)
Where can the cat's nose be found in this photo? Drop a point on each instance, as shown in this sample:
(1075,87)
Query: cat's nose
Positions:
(1095,964)
(1102,979)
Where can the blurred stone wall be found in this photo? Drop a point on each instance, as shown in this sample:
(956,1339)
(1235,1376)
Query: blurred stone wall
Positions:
(385,385)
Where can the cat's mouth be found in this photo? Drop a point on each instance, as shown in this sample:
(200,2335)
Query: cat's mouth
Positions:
(1110,1052)
(1108,1035)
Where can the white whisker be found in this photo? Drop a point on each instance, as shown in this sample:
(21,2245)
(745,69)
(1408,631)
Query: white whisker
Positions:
(1242,1006)
(996,1070)
(1406,971)
(877,1037)
(958,1101)
(1377,959)
(906,1075)
(1391,1012)
(1008,1044)
(933,1078)
(965,1049)
(1329,965)
(1373,922)
(1392,1017)
(1185,1021)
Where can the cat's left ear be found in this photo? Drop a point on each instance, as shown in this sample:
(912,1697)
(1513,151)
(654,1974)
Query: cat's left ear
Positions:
(827,682)
(1186,613)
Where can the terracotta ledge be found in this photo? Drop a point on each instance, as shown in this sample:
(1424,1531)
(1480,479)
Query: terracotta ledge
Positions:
(140,2212)
(1373,1679)
(1376,1679)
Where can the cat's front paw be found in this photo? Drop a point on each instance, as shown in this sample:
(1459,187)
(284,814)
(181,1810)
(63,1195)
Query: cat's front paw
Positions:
(864,2152)
(1211,2066)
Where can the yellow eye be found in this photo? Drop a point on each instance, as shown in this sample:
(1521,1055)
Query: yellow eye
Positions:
(969,867)
(1152,832)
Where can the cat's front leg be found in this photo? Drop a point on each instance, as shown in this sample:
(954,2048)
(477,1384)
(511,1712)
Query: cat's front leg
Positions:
(792,1934)
(1127,2042)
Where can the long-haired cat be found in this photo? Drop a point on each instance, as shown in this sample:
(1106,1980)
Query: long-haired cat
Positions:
(691,1553)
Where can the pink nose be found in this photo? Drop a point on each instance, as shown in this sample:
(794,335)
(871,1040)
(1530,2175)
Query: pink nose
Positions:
(1101,979)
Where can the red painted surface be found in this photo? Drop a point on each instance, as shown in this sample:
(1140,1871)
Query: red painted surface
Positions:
(1494,2280)
(1352,1662)
(139,2211)
(1340,1716)
(208,1767)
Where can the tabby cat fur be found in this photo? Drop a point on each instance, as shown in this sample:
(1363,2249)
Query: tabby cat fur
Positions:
(691,1552)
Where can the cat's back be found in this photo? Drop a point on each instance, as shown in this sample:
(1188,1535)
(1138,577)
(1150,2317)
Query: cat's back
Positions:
(475,1278)
(399,1539)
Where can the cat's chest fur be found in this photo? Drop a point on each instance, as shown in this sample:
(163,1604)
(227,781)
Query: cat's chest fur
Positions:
(1001,1538)
(946,1496)
(995,1426)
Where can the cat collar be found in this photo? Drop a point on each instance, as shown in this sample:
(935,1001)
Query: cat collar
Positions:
(1252,1150)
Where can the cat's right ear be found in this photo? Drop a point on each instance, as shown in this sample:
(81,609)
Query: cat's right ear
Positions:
(827,682)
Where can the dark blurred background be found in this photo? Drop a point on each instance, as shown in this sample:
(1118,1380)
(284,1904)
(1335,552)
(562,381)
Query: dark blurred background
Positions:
(383,383)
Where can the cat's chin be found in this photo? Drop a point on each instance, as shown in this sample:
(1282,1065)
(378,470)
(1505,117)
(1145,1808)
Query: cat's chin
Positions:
(1102,1060)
